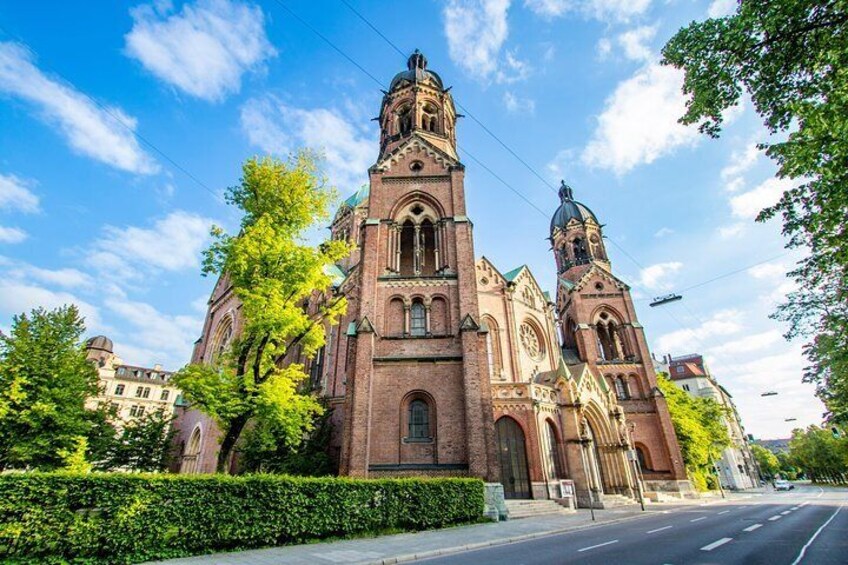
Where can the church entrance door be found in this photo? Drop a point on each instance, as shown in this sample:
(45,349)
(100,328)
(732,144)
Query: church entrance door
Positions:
(513,459)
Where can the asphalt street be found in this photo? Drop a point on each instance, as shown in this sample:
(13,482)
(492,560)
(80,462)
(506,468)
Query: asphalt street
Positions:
(806,525)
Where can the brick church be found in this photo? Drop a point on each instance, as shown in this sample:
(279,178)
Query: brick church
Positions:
(445,365)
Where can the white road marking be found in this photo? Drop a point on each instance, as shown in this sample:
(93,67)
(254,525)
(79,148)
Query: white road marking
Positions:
(596,546)
(725,512)
(659,529)
(699,519)
(785,512)
(773,518)
(794,508)
(815,535)
(716,544)
(803,504)
(752,527)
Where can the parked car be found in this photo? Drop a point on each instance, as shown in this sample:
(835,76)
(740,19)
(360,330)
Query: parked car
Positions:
(781,484)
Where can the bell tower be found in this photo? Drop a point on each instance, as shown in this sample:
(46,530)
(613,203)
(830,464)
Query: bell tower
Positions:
(600,328)
(418,399)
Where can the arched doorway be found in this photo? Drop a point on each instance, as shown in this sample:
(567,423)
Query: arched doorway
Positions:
(595,470)
(191,455)
(513,459)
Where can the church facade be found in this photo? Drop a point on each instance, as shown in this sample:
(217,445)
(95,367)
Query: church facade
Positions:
(446,366)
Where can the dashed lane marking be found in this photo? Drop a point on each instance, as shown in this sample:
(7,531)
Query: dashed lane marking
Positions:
(725,512)
(785,512)
(699,519)
(597,546)
(794,508)
(716,544)
(773,518)
(659,529)
(752,527)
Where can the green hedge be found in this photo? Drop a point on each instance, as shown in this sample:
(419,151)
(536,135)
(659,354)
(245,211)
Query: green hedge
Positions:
(118,518)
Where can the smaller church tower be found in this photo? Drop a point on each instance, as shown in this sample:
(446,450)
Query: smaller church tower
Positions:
(600,328)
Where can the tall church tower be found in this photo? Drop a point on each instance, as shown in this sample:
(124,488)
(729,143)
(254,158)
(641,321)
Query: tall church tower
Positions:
(600,328)
(418,397)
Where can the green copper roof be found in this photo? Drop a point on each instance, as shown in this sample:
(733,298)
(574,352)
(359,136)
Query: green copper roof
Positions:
(547,295)
(358,197)
(335,273)
(510,276)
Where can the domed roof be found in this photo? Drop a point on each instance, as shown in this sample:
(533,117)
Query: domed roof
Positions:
(570,209)
(100,342)
(417,65)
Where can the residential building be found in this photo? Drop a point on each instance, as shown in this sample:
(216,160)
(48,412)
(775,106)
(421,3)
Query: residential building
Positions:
(134,391)
(737,467)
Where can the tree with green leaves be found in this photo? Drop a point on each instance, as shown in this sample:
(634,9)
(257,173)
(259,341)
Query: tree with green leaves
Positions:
(144,444)
(45,381)
(276,274)
(267,450)
(822,457)
(700,429)
(767,461)
(791,58)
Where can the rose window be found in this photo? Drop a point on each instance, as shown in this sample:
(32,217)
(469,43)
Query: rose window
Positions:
(531,342)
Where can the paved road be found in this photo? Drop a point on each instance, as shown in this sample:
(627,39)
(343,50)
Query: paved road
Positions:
(807,525)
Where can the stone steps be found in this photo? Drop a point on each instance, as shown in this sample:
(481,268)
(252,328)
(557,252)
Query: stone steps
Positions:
(529,508)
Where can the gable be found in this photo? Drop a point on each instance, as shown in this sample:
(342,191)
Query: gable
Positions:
(416,148)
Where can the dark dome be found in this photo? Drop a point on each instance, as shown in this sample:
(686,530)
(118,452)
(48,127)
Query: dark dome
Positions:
(417,65)
(100,342)
(570,209)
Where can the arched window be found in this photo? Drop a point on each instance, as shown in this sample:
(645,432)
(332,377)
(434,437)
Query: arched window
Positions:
(224,336)
(610,344)
(426,248)
(642,459)
(635,387)
(407,248)
(597,248)
(621,390)
(429,118)
(417,319)
(493,348)
(579,248)
(404,119)
(419,420)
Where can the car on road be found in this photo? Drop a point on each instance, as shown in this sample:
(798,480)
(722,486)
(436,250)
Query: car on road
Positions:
(781,484)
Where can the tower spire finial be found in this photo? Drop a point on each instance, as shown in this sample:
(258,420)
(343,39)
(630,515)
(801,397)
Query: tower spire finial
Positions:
(416,61)
(565,192)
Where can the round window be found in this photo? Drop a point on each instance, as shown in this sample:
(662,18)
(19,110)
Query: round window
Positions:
(531,341)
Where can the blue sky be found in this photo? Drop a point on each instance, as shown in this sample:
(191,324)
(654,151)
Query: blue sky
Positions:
(104,107)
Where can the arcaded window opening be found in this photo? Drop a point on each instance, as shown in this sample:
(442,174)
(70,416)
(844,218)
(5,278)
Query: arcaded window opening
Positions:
(417,319)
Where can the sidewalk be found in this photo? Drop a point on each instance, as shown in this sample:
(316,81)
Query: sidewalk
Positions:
(408,547)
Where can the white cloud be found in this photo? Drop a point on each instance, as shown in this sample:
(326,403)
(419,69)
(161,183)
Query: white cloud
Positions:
(639,122)
(90,129)
(204,49)
(776,284)
(476,30)
(516,105)
(655,277)
(768,271)
(635,42)
(12,235)
(741,161)
(721,8)
(278,128)
(748,344)
(748,204)
(664,231)
(604,10)
(732,230)
(173,243)
(678,342)
(69,278)
(16,195)
(17,297)
(156,337)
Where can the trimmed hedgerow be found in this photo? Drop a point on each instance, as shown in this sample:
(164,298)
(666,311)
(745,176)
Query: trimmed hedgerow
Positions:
(119,518)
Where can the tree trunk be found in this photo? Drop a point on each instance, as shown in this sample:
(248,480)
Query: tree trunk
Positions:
(229,442)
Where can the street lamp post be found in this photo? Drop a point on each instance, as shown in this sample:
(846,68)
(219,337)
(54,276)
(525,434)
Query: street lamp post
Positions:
(718,474)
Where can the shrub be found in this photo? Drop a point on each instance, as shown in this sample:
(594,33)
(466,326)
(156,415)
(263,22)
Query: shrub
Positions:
(120,518)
